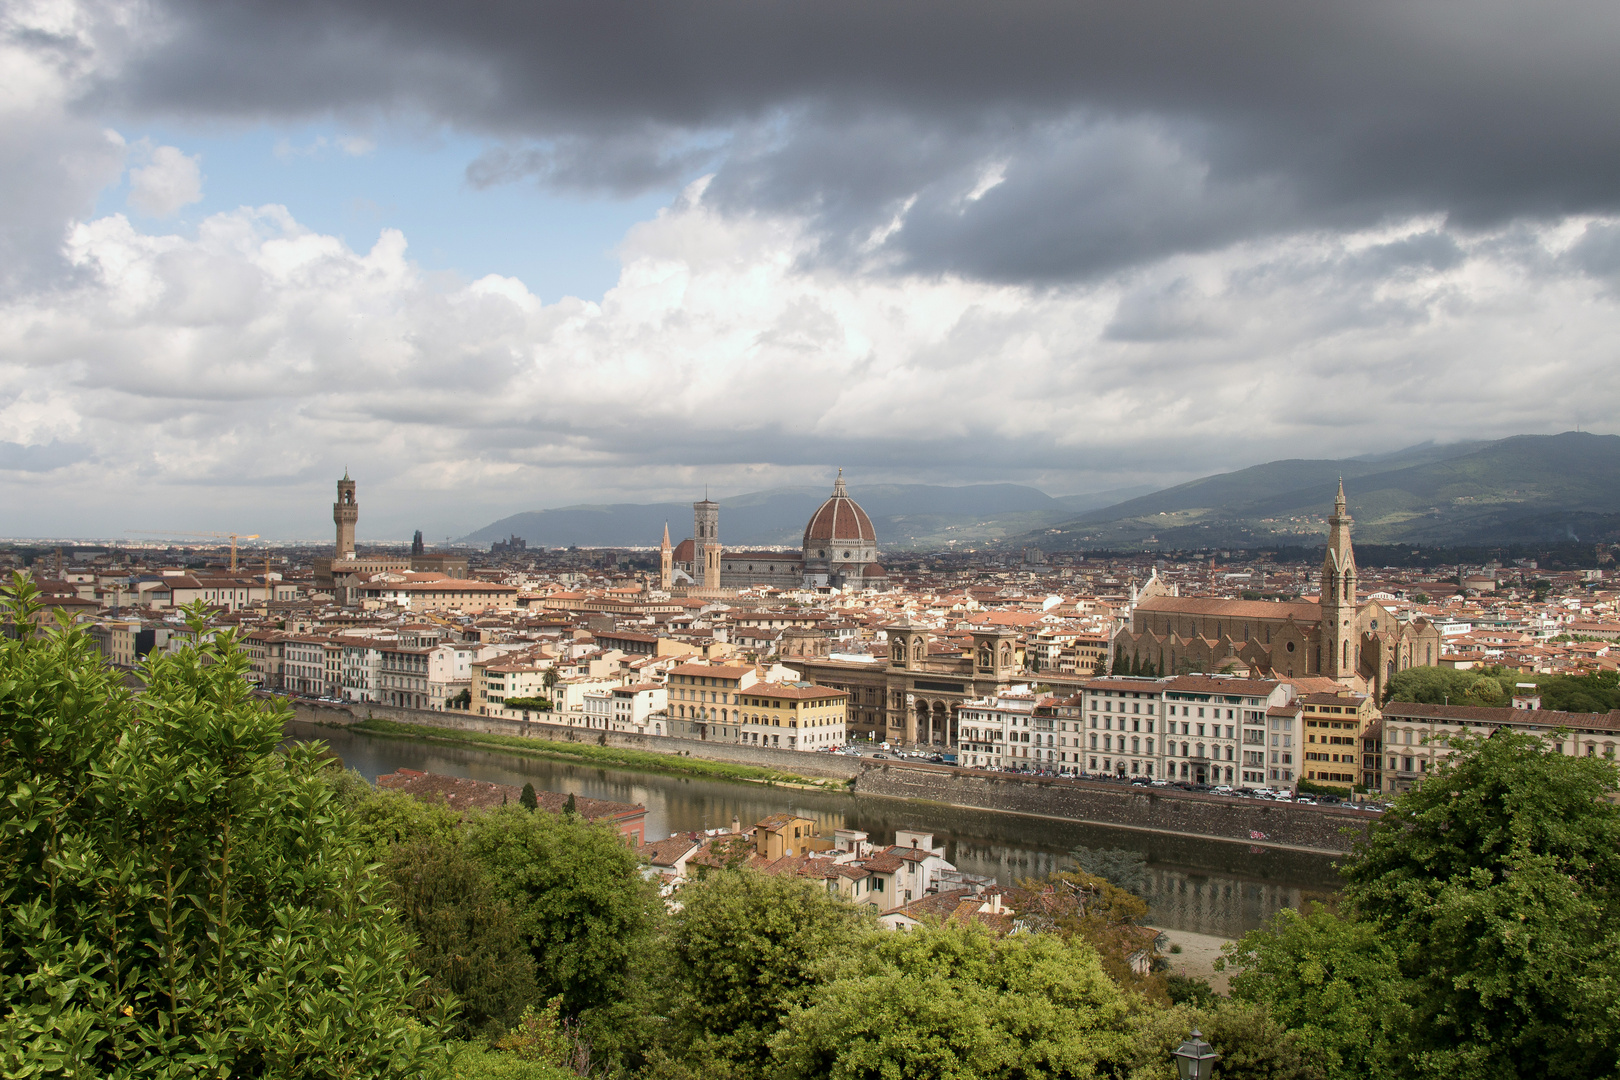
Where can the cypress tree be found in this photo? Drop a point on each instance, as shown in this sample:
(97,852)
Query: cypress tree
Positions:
(527,798)
(570,808)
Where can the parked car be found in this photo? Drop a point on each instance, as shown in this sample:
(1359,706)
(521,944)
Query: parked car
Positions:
(883,757)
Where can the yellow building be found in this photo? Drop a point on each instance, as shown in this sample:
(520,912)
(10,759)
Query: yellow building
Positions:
(793,717)
(1334,723)
(782,835)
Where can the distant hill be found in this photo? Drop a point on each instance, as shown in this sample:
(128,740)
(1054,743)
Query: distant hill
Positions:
(905,516)
(1526,488)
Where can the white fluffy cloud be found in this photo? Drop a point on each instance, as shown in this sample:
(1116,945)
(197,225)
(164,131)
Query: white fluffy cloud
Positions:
(169,181)
(237,371)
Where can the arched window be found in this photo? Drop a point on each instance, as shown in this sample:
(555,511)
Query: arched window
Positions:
(1347,655)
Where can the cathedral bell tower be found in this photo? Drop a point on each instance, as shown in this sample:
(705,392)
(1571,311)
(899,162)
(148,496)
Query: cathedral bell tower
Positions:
(1340,658)
(345,512)
(706,540)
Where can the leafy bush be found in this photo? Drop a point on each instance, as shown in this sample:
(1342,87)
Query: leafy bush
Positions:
(179,898)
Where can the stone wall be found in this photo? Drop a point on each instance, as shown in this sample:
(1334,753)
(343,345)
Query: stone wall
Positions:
(830,766)
(1157,809)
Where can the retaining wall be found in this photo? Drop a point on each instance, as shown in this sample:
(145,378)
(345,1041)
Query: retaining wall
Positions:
(1157,809)
(1316,828)
(827,766)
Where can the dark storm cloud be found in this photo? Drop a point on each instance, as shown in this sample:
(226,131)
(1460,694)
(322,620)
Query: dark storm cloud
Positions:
(1122,130)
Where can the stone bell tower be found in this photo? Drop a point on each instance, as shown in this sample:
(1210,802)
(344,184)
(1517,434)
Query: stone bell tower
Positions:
(1340,658)
(345,512)
(666,562)
(706,540)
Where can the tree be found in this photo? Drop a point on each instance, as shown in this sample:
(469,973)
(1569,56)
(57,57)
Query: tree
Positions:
(1253,1045)
(1331,979)
(1497,883)
(953,1001)
(180,897)
(746,948)
(1439,686)
(468,941)
(550,679)
(1118,866)
(528,799)
(581,902)
(1089,909)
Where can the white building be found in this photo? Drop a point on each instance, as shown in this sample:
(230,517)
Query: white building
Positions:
(640,708)
(1122,735)
(999,732)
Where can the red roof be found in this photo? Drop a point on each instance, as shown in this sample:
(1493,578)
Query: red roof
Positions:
(838,520)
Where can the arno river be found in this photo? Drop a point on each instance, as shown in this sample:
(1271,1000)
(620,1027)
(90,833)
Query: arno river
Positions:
(1204,886)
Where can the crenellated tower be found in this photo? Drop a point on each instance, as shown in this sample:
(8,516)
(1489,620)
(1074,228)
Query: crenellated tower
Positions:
(345,512)
(1340,657)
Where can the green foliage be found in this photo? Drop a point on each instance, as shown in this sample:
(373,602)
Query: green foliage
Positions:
(1331,979)
(1189,990)
(1440,685)
(533,704)
(381,819)
(1084,908)
(528,800)
(468,941)
(547,1036)
(1596,692)
(578,894)
(1251,1042)
(179,899)
(955,1002)
(476,1061)
(1497,883)
(1120,867)
(747,948)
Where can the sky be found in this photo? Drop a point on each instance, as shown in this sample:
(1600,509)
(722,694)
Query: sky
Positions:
(510,254)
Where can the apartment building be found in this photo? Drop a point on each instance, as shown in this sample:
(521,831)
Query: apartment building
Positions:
(704,700)
(1122,719)
(999,732)
(1415,734)
(797,716)
(1333,727)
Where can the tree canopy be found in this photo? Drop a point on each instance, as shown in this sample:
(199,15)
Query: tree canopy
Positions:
(180,898)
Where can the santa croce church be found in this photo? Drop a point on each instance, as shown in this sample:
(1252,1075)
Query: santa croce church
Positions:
(1356,643)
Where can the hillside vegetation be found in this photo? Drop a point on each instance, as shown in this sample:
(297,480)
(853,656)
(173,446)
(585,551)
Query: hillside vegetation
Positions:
(1525,488)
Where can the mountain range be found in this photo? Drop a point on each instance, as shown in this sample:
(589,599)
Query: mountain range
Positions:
(1528,488)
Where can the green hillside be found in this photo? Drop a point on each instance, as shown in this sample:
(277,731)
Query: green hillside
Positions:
(1524,488)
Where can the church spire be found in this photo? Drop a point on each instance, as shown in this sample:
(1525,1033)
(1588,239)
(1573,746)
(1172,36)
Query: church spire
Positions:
(838,486)
(665,545)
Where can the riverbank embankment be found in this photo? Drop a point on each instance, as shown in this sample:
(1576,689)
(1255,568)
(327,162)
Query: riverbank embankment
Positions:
(1325,830)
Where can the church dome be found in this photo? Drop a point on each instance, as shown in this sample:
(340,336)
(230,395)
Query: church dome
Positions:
(839,523)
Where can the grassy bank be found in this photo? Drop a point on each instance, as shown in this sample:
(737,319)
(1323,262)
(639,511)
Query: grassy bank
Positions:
(592,754)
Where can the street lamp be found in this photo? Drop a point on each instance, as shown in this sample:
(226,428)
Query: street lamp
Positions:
(1195,1058)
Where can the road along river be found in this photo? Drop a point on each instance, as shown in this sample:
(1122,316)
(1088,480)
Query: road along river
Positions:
(1201,886)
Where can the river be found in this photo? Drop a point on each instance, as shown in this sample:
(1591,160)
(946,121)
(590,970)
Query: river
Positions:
(1202,886)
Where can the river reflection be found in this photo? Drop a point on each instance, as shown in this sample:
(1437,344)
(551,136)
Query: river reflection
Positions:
(1202,886)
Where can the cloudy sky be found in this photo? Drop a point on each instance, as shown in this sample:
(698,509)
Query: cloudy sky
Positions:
(507,254)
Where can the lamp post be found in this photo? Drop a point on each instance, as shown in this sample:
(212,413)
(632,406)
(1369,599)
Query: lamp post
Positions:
(1195,1058)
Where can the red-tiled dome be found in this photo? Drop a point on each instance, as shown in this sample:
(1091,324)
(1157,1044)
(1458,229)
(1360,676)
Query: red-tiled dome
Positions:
(839,520)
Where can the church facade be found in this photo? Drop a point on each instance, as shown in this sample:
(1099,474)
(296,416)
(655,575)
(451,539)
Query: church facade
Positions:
(1358,644)
(839,550)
